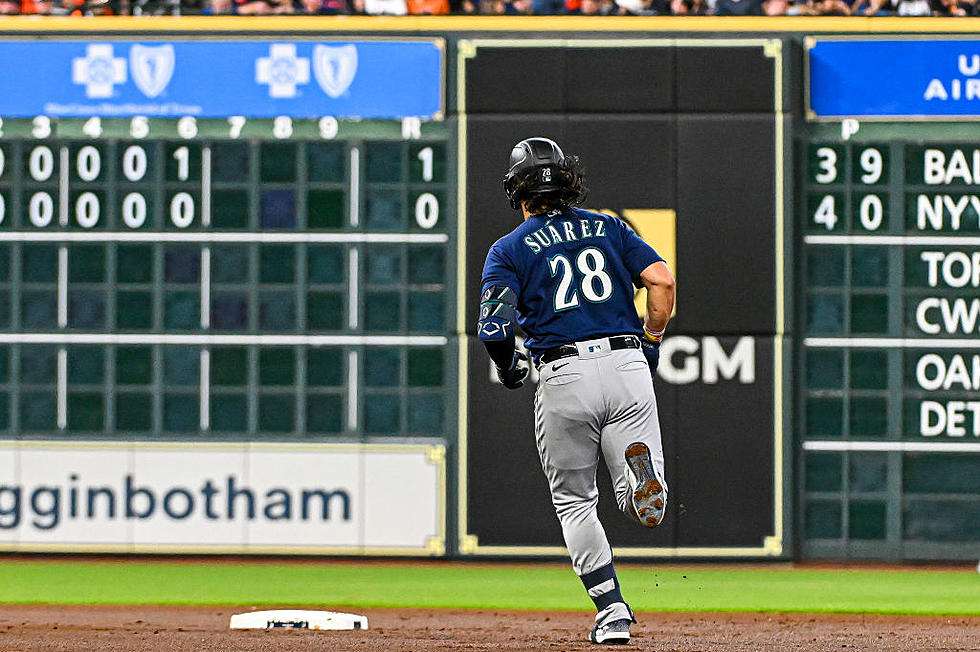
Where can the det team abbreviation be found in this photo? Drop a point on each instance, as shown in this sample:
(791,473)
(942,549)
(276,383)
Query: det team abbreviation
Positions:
(49,505)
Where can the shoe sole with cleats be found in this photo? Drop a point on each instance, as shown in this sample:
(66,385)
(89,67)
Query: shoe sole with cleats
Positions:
(649,496)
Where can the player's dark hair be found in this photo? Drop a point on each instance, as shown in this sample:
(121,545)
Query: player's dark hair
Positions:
(572,192)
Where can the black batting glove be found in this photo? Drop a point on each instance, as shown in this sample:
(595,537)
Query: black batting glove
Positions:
(513,377)
(651,352)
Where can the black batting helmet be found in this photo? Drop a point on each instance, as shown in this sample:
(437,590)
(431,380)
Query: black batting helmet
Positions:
(539,167)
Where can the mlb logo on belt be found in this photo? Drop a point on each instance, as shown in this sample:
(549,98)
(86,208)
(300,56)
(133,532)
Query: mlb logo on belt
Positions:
(596,348)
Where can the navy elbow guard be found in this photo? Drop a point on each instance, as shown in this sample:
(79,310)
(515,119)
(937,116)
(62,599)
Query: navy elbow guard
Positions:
(497,314)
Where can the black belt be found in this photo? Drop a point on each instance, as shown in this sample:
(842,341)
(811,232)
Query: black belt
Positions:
(616,342)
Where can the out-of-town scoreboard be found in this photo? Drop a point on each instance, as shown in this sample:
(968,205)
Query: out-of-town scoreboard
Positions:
(261,250)
(889,306)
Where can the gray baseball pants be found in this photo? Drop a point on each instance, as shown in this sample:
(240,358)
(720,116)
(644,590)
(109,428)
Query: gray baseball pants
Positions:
(596,401)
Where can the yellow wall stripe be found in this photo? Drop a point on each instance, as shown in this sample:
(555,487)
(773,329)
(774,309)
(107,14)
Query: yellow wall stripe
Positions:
(319,26)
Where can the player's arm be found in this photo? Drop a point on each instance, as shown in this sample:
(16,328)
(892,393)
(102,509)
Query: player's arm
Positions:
(498,312)
(659,283)
(498,318)
(651,272)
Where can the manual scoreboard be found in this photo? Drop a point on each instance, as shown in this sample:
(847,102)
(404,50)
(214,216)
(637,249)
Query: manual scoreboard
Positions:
(889,313)
(226,277)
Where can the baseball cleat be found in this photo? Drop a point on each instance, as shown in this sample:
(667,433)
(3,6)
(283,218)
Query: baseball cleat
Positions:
(649,496)
(616,632)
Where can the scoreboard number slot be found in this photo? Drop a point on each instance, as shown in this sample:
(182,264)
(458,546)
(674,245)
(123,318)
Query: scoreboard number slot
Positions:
(872,164)
(826,213)
(40,163)
(134,163)
(425,155)
(183,157)
(3,208)
(40,209)
(87,210)
(182,210)
(871,212)
(427,210)
(827,162)
(134,210)
(88,163)
(3,160)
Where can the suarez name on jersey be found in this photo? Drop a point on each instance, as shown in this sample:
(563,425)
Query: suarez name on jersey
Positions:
(550,234)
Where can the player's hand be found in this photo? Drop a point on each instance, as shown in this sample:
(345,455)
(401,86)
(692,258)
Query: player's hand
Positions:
(513,378)
(651,352)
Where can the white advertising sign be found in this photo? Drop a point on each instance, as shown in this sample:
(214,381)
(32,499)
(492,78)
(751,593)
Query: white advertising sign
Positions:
(238,497)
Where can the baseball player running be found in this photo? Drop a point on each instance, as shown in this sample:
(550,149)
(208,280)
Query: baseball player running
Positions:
(566,276)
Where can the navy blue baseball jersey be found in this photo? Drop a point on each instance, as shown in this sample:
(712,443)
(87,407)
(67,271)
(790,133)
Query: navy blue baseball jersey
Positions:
(573,273)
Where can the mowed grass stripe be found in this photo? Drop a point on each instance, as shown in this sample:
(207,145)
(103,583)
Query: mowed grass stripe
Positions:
(504,586)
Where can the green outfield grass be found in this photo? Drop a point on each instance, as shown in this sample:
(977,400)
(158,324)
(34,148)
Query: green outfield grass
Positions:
(505,586)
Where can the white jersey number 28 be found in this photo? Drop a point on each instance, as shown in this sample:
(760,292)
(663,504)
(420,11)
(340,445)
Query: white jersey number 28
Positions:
(591,265)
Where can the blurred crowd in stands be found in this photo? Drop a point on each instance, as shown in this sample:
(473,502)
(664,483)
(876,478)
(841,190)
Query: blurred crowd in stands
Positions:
(499,7)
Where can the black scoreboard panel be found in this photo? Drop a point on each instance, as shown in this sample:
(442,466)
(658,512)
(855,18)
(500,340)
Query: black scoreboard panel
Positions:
(261,278)
(672,146)
(890,314)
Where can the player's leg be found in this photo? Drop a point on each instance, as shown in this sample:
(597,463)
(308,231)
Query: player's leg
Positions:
(631,440)
(568,445)
(567,431)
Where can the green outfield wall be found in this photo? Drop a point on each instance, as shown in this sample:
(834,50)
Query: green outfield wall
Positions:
(240,259)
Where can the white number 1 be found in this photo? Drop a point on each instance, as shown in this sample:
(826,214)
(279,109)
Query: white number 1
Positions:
(182,157)
(425,155)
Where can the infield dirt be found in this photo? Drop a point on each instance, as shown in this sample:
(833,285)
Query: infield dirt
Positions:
(33,628)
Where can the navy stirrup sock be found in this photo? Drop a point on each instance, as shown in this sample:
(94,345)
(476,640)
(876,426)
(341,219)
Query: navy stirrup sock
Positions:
(602,586)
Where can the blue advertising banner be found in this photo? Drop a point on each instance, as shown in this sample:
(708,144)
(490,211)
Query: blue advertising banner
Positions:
(900,79)
(300,79)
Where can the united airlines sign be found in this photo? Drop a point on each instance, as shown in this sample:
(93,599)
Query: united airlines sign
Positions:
(894,78)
